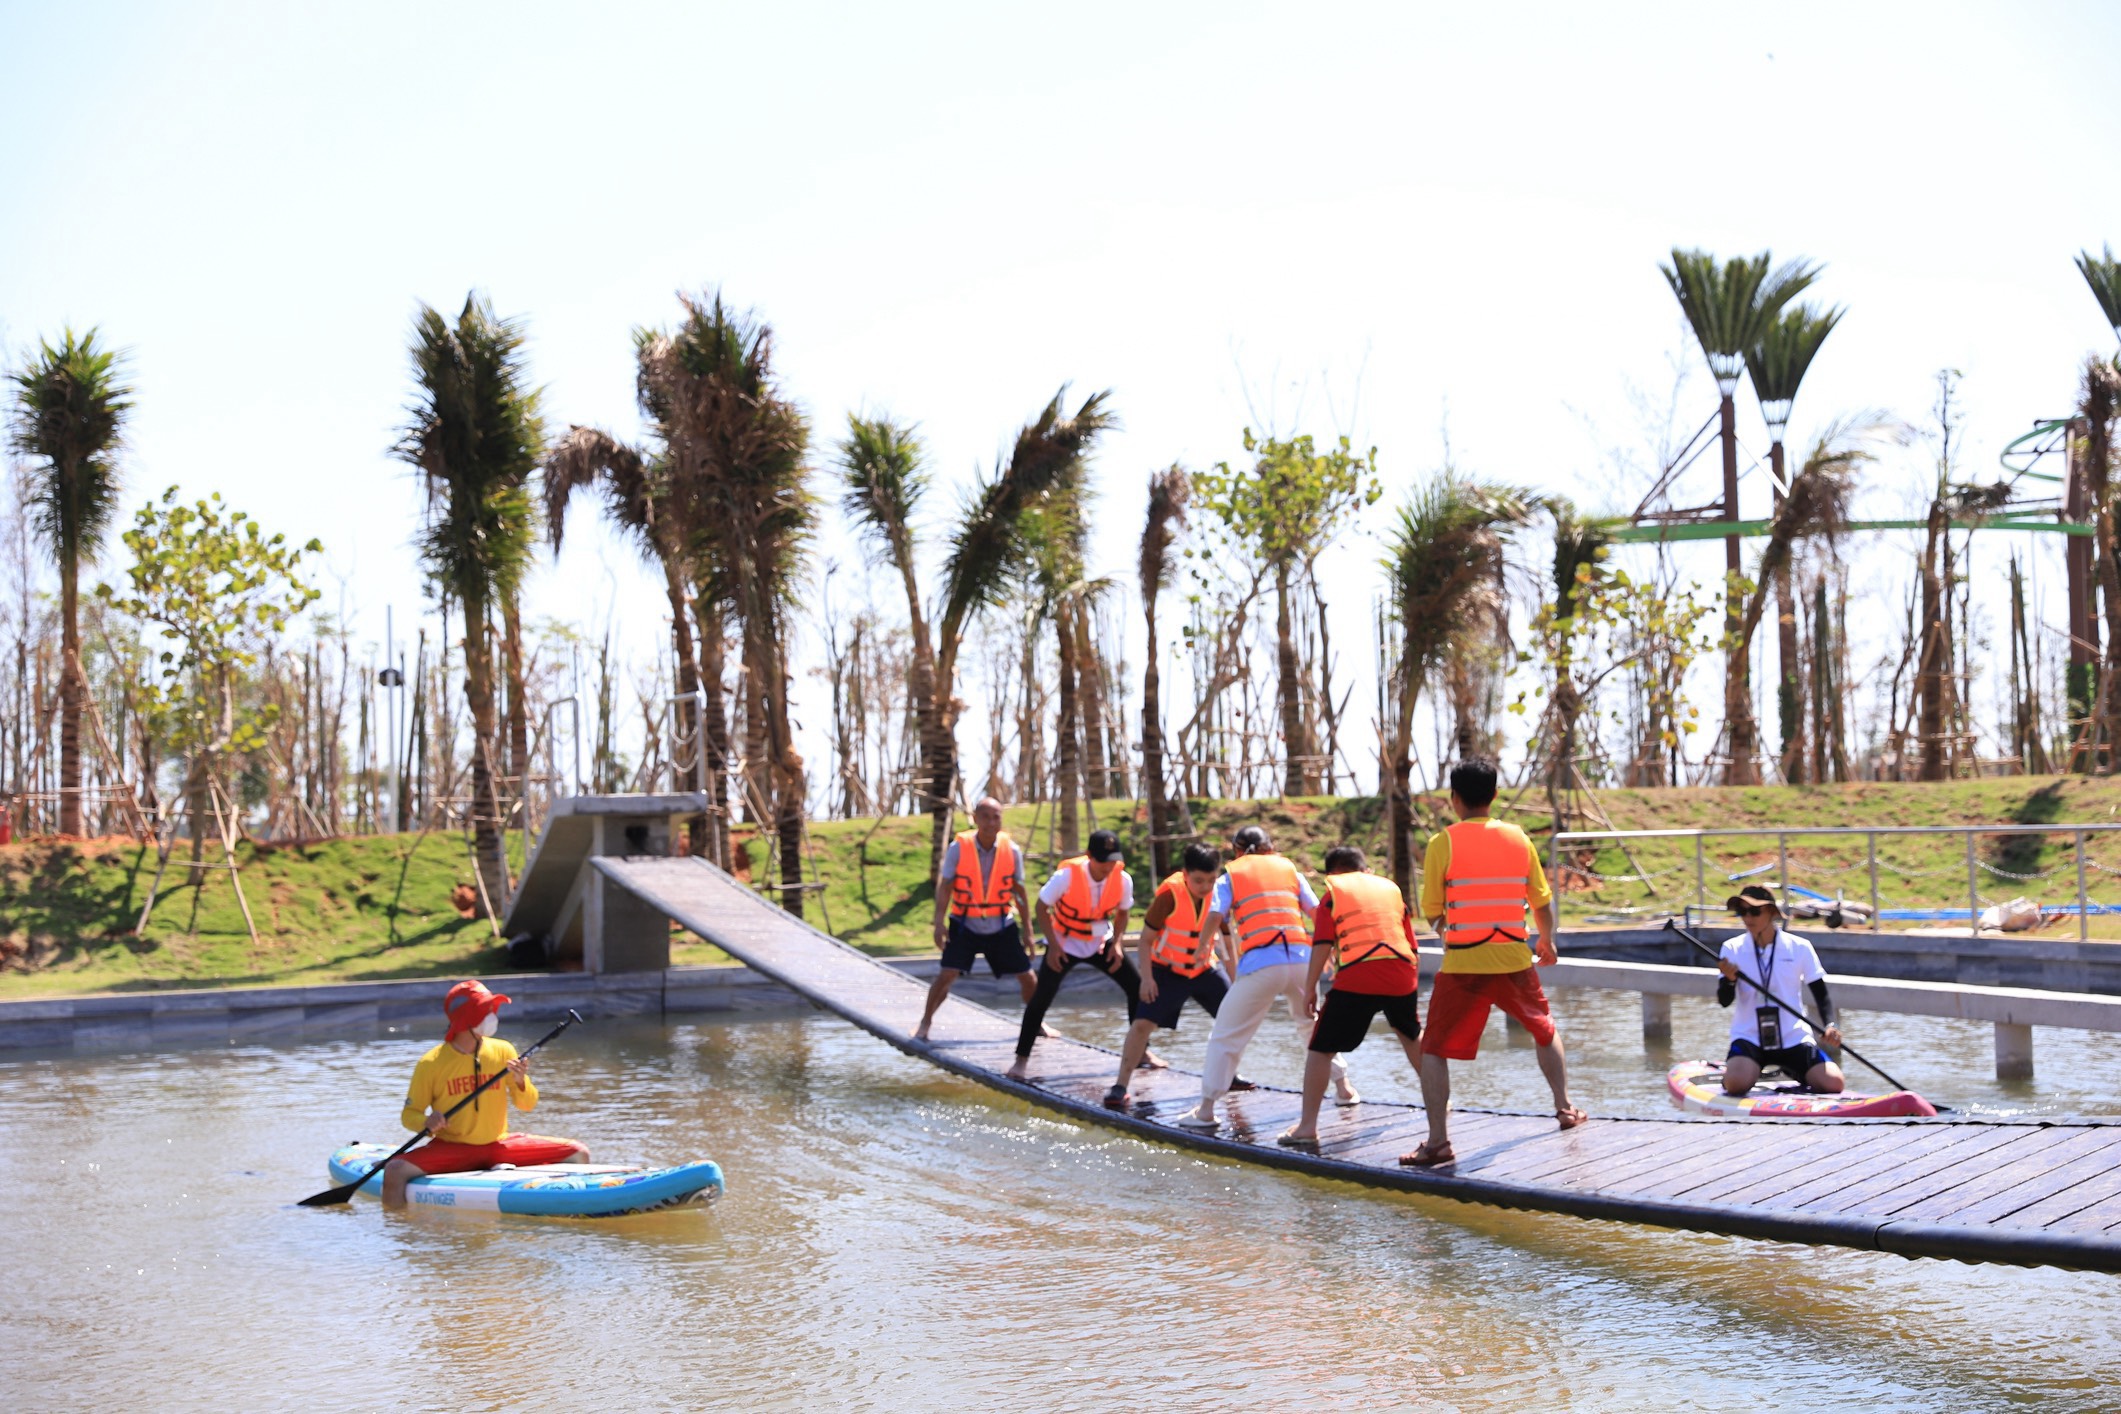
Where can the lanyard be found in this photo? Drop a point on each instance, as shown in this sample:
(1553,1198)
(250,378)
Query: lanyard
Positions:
(1764,968)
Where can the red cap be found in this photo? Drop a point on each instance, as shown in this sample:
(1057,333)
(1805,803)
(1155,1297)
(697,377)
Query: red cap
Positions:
(468,1004)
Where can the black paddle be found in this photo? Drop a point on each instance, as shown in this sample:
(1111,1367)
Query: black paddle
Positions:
(331,1197)
(1745,977)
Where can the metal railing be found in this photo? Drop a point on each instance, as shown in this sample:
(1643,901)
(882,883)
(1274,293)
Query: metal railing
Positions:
(1869,834)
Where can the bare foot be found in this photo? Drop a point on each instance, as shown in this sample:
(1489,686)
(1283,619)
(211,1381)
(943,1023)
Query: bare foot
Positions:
(1296,1139)
(1152,1061)
(1047,1033)
(921,1035)
(1020,1070)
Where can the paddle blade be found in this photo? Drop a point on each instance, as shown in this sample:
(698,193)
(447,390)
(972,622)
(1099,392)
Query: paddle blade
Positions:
(330,1198)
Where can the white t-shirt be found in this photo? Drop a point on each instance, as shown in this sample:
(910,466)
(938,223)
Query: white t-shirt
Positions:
(1786,968)
(1057,887)
(980,927)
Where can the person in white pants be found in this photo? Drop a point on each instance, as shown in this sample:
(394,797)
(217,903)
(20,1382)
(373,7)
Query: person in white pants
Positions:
(1266,901)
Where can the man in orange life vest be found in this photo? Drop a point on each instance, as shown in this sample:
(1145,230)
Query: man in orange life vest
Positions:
(1267,903)
(1362,928)
(979,902)
(1477,879)
(1176,960)
(1082,912)
(478,1137)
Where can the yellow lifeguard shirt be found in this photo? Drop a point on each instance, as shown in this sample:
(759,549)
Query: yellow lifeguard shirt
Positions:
(1493,956)
(446,1075)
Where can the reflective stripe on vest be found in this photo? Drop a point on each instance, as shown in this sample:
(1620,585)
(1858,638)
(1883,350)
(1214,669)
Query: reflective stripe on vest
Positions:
(1180,946)
(972,896)
(1265,907)
(1086,901)
(1369,919)
(1484,886)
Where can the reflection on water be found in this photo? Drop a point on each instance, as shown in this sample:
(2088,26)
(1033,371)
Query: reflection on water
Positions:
(893,1238)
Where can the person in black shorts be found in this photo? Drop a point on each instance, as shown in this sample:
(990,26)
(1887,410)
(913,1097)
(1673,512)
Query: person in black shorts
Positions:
(1177,962)
(980,905)
(1362,927)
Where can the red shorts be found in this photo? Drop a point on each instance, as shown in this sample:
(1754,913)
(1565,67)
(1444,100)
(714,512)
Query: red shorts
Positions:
(1458,1010)
(522,1150)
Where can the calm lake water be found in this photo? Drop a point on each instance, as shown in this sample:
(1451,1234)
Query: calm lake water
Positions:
(894,1238)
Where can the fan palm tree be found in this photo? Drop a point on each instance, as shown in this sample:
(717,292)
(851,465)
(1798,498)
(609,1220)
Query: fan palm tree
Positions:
(68,419)
(884,479)
(1728,306)
(1778,362)
(1169,492)
(741,447)
(1444,559)
(985,549)
(476,435)
(2103,273)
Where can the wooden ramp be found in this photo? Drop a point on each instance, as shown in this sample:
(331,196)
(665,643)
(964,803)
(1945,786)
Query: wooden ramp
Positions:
(2032,1193)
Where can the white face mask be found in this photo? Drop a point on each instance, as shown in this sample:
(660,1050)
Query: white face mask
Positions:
(491,1024)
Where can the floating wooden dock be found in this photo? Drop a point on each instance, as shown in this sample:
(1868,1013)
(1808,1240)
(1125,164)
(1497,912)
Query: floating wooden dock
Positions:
(2025,1192)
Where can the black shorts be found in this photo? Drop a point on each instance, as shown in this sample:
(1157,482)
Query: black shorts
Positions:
(1173,991)
(1794,1061)
(1004,951)
(1346,1016)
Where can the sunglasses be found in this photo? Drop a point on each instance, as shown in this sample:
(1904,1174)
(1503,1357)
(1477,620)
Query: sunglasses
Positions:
(1754,910)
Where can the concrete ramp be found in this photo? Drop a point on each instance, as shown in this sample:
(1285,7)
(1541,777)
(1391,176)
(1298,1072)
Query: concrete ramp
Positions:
(567,906)
(2031,1193)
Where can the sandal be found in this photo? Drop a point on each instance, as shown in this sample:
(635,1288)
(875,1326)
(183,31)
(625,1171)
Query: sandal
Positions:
(1290,1139)
(1570,1117)
(1429,1155)
(1238,1082)
(1116,1098)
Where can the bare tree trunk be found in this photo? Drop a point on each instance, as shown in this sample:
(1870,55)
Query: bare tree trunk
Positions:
(1789,677)
(1090,709)
(518,705)
(1741,737)
(485,807)
(714,730)
(1153,753)
(1067,755)
(71,683)
(1932,674)
(685,677)
(1297,777)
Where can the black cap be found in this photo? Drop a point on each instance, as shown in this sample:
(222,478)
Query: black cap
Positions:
(1104,846)
(1751,895)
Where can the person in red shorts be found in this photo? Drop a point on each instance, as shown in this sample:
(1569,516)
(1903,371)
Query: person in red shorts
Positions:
(1478,878)
(478,1137)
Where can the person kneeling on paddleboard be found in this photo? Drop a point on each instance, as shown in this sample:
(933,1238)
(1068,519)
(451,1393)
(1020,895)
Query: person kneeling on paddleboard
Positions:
(478,1137)
(1763,1034)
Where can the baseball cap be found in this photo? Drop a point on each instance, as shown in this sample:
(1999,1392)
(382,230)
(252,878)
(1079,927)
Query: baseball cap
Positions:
(1752,895)
(1103,846)
(468,1004)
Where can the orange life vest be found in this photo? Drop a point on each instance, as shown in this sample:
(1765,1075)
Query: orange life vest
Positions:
(1265,906)
(1086,901)
(974,897)
(1484,886)
(1369,919)
(1180,946)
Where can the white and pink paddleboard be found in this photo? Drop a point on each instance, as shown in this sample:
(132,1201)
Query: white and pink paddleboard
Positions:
(1697,1088)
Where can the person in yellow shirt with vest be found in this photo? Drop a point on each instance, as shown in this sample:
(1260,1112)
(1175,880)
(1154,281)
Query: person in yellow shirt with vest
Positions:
(1176,960)
(979,900)
(1363,929)
(478,1137)
(1267,904)
(1082,912)
(1478,878)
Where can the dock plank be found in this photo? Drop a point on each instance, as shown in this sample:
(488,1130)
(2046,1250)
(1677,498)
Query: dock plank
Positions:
(1977,1190)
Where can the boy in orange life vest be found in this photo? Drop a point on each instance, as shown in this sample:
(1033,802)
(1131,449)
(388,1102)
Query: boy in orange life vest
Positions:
(1477,880)
(478,1137)
(1176,959)
(1082,912)
(979,900)
(1363,928)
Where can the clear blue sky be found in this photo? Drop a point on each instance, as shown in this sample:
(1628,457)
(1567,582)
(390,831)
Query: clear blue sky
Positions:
(947,212)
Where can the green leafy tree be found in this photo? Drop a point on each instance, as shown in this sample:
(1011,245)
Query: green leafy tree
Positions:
(221,592)
(1729,306)
(476,435)
(69,414)
(1281,513)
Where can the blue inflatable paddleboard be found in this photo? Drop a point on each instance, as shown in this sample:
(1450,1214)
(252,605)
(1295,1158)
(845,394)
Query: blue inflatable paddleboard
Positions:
(546,1190)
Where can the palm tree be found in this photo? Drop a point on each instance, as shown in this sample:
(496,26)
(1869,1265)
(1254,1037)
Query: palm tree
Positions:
(1169,491)
(885,478)
(985,550)
(1778,362)
(2103,273)
(1580,543)
(1057,536)
(476,435)
(2098,406)
(69,414)
(741,446)
(1728,307)
(1445,561)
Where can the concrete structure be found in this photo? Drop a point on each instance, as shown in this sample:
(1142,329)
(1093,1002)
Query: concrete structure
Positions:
(573,910)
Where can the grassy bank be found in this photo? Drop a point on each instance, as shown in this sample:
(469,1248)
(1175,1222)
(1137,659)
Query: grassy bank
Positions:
(379,907)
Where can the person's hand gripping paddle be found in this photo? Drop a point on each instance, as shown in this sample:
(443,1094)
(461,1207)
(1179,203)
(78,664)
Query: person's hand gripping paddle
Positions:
(332,1197)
